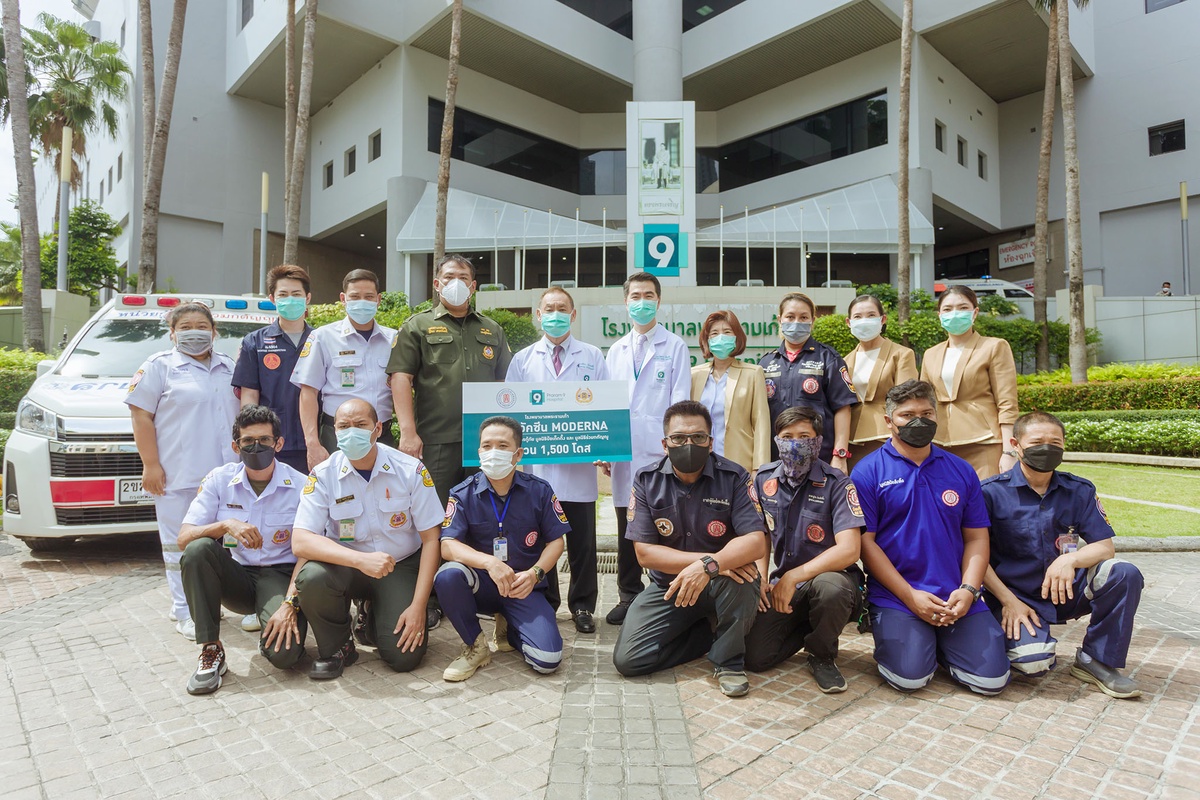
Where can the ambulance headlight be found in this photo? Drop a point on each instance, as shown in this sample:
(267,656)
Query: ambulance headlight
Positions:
(32,418)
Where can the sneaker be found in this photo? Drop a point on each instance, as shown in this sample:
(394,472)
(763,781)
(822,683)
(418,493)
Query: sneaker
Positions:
(617,615)
(473,657)
(433,617)
(207,677)
(186,628)
(500,636)
(583,621)
(733,682)
(829,677)
(250,623)
(1110,681)
(324,669)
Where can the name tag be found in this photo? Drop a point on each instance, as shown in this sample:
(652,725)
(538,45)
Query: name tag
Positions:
(345,499)
(233,505)
(347,377)
(500,548)
(346,530)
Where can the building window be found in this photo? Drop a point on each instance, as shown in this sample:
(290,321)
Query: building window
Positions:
(122,35)
(374,146)
(101,191)
(327,179)
(981,159)
(939,136)
(962,151)
(110,180)
(120,167)
(350,161)
(1157,5)
(247,11)
(1167,138)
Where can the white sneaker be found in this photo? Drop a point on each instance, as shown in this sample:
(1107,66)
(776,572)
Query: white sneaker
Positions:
(250,623)
(186,628)
(172,616)
(473,657)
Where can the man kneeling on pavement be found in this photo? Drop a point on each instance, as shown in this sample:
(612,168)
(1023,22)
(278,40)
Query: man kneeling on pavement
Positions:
(696,526)
(368,525)
(815,523)
(237,550)
(1052,561)
(503,532)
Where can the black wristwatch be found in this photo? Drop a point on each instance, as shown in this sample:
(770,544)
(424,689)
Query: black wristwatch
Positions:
(293,600)
(538,572)
(974,591)
(711,567)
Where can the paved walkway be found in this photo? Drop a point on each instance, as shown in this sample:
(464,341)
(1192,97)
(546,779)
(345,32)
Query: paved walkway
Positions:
(92,704)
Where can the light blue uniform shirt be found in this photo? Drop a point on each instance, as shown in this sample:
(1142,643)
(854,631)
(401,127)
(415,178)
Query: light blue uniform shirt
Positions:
(713,398)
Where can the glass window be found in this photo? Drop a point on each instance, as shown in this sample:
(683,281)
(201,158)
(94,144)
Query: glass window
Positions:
(1155,5)
(247,11)
(350,161)
(327,178)
(115,348)
(375,146)
(697,12)
(962,151)
(120,166)
(1167,138)
(939,136)
(122,34)
(110,180)
(615,15)
(602,172)
(981,158)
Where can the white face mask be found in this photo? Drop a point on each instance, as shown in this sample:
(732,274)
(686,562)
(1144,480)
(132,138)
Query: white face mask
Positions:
(867,328)
(455,292)
(496,464)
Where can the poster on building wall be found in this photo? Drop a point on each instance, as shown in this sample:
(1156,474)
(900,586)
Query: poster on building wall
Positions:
(660,167)
(1015,254)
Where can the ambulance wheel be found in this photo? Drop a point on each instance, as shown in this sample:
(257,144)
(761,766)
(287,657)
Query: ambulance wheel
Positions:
(43,544)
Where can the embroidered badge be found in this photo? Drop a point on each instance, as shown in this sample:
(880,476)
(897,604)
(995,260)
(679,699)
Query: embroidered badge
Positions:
(451,508)
(281,536)
(811,386)
(846,377)
(304,351)
(311,485)
(815,533)
(398,519)
(488,352)
(531,539)
(771,487)
(426,478)
(665,526)
(852,500)
(770,388)
(272,361)
(950,497)
(137,377)
(716,528)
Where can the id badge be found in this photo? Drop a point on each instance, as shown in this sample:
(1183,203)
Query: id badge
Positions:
(347,377)
(346,530)
(1067,543)
(229,541)
(500,548)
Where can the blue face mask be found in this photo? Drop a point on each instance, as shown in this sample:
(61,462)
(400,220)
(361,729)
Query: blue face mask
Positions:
(722,345)
(291,308)
(957,322)
(354,442)
(361,311)
(556,323)
(642,311)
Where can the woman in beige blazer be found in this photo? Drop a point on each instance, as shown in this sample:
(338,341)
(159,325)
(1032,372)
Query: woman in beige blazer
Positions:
(734,392)
(876,365)
(976,382)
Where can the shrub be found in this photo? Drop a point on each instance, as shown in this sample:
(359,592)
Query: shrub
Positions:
(1173,393)
(1130,415)
(518,328)
(14,384)
(393,310)
(1115,372)
(4,438)
(997,306)
(832,330)
(1176,437)
(19,359)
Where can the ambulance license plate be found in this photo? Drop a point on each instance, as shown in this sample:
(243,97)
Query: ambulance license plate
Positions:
(130,492)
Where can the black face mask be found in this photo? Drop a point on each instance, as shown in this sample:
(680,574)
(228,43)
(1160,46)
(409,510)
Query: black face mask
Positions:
(688,458)
(1042,457)
(917,433)
(257,456)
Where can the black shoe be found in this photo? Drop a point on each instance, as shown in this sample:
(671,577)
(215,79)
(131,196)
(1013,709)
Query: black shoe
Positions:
(325,669)
(617,615)
(583,621)
(364,624)
(829,677)
(1110,681)
(433,617)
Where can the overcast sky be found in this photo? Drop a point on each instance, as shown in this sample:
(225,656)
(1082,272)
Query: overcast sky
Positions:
(8,172)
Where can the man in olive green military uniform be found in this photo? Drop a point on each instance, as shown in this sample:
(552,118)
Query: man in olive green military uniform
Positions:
(435,353)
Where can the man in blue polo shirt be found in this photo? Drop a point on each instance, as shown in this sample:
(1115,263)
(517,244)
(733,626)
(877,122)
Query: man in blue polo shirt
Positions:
(1052,561)
(503,532)
(926,553)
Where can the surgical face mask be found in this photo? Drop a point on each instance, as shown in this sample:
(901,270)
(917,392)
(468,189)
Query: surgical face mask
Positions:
(796,332)
(867,328)
(1042,457)
(193,343)
(957,323)
(496,464)
(354,442)
(688,458)
(722,345)
(361,311)
(257,456)
(797,456)
(556,323)
(291,308)
(455,292)
(918,432)
(642,311)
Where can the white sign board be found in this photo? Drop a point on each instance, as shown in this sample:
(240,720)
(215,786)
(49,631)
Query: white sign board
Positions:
(1014,254)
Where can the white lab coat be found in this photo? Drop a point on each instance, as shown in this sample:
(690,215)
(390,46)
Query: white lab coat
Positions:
(572,483)
(665,379)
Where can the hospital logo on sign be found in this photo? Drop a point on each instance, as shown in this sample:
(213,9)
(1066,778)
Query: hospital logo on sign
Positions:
(506,398)
(537,397)
(583,396)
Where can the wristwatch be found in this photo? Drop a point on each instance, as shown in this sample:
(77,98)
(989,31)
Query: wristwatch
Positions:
(841,452)
(538,572)
(711,567)
(293,600)
(977,592)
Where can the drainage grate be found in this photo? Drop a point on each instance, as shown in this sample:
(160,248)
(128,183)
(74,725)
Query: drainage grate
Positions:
(606,564)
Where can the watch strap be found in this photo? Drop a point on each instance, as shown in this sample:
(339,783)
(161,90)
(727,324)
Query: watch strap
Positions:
(977,592)
(538,572)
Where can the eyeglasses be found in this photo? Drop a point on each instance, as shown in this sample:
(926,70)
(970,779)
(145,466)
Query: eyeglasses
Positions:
(265,441)
(680,439)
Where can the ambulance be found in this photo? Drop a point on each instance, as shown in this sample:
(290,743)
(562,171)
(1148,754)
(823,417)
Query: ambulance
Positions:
(71,469)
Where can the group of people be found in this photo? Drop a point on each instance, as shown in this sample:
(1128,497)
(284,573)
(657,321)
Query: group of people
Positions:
(743,498)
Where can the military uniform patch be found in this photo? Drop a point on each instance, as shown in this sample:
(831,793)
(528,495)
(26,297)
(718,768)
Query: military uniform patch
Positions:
(137,377)
(558,509)
(451,508)
(488,352)
(426,478)
(846,378)
(398,519)
(310,486)
(665,526)
(852,500)
(304,351)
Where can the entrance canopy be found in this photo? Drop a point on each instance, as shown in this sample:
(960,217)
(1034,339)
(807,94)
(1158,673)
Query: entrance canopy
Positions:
(475,222)
(861,219)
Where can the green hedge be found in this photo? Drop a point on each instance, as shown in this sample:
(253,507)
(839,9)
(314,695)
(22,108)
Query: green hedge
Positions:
(1114,372)
(1140,395)
(4,438)
(1131,415)
(1169,437)
(14,383)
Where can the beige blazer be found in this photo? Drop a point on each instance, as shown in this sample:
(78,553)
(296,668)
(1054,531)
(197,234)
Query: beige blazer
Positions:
(747,417)
(984,393)
(895,365)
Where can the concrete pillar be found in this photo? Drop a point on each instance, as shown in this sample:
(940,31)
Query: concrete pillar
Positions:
(657,50)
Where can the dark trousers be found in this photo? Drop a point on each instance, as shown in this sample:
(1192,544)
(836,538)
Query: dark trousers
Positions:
(908,650)
(328,436)
(820,609)
(211,578)
(658,635)
(444,462)
(325,594)
(629,571)
(581,555)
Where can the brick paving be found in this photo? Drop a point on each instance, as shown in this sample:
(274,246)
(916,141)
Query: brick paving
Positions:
(92,704)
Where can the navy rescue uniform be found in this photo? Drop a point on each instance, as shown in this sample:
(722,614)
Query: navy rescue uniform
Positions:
(527,519)
(700,518)
(265,364)
(802,521)
(1028,532)
(815,378)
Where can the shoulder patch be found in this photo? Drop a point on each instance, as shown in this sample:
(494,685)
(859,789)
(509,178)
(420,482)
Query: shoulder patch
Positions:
(852,500)
(451,510)
(1103,513)
(310,486)
(846,377)
(558,509)
(426,478)
(304,351)
(137,377)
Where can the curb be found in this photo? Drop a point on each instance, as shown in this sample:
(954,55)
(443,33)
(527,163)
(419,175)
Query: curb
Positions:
(1134,458)
(1157,544)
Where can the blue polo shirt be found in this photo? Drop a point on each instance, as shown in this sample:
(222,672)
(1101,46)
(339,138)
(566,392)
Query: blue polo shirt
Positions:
(816,378)
(265,363)
(917,514)
(1026,527)
(533,518)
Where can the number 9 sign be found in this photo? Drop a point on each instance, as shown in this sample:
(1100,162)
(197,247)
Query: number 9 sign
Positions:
(661,250)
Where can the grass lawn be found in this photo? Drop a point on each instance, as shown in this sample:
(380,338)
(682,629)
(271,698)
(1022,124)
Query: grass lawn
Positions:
(1179,487)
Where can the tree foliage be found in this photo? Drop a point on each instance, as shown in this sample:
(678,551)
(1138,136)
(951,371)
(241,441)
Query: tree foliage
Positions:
(91,260)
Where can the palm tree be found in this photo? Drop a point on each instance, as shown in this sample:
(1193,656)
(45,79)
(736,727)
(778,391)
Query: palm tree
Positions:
(289,102)
(295,187)
(903,257)
(156,156)
(18,108)
(149,109)
(1078,341)
(443,187)
(1041,221)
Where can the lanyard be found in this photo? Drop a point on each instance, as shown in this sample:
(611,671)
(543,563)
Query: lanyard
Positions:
(500,515)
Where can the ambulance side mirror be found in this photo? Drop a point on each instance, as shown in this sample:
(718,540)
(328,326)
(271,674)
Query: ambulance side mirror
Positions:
(45,366)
